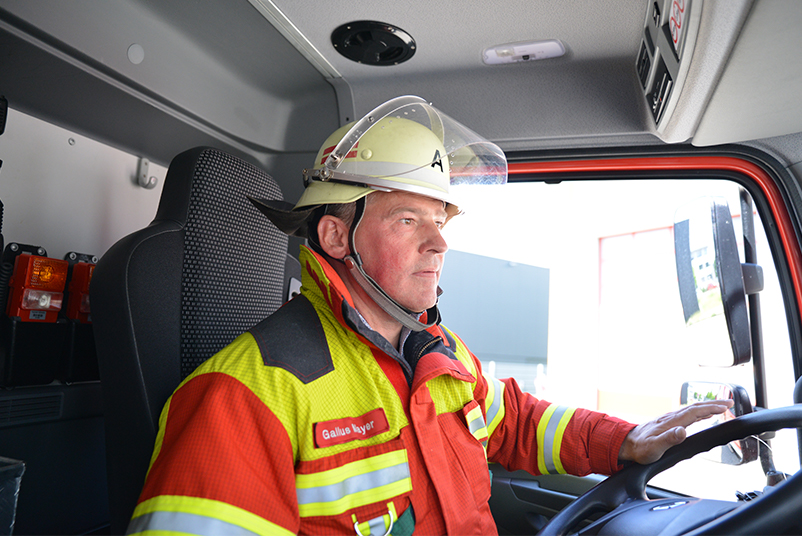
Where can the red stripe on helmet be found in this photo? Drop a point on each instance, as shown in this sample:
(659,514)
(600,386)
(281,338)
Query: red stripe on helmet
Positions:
(328,151)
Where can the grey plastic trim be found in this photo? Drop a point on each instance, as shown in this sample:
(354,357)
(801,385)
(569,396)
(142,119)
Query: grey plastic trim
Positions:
(284,25)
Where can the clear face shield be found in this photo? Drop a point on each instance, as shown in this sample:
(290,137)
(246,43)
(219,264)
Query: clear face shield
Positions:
(418,142)
(405,145)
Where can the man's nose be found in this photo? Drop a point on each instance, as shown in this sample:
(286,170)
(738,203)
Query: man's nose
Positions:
(435,240)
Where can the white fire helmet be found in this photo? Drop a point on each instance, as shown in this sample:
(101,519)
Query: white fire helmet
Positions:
(405,144)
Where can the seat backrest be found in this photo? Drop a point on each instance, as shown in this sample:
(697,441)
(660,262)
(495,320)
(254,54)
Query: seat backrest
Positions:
(168,296)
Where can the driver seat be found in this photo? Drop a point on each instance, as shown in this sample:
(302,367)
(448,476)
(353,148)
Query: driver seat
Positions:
(169,296)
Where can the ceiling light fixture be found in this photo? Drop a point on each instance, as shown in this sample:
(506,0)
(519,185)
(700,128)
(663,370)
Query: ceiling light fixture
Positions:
(523,51)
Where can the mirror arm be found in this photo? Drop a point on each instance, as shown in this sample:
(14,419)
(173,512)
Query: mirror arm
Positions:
(755,329)
(753,278)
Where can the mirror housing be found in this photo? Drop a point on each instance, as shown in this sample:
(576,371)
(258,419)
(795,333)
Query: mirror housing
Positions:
(736,452)
(711,280)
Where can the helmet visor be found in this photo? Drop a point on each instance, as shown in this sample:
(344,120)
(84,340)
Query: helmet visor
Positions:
(471,159)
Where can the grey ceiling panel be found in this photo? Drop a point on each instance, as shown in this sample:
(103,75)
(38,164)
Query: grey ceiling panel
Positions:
(221,71)
(758,94)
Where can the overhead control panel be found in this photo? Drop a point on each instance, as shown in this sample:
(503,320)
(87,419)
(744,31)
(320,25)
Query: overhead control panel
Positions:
(666,49)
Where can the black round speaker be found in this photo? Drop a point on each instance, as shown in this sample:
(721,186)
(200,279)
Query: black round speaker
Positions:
(373,43)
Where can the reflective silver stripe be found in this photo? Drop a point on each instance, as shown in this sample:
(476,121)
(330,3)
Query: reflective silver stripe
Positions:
(186,523)
(498,394)
(477,424)
(549,436)
(354,484)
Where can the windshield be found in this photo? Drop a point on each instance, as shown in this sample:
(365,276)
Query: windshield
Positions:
(576,288)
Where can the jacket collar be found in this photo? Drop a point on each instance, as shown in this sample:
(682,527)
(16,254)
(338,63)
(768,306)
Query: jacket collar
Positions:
(322,282)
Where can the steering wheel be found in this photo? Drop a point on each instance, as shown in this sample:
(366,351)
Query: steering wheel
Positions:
(630,512)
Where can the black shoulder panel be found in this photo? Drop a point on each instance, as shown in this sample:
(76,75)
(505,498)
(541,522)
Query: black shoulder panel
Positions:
(292,338)
(452,343)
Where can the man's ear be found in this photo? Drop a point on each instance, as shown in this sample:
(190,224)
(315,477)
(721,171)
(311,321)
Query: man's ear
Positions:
(333,235)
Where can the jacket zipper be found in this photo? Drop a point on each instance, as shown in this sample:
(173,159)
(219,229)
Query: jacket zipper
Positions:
(424,349)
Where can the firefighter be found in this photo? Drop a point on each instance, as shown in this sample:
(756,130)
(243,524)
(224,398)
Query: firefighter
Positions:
(352,409)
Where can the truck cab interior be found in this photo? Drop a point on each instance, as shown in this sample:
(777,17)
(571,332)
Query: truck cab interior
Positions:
(645,253)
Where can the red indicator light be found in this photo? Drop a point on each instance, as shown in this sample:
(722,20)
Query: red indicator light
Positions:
(37,288)
(78,302)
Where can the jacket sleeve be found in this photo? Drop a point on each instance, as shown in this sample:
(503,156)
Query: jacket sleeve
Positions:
(543,438)
(222,464)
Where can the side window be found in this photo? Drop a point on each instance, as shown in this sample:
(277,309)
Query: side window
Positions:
(574,293)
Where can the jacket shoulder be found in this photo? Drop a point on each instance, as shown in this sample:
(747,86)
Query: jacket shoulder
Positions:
(292,338)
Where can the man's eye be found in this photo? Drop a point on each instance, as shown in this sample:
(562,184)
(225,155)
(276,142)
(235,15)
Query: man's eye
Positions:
(407,221)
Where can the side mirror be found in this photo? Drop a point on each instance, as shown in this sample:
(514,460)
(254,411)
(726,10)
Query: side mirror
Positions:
(711,282)
(736,452)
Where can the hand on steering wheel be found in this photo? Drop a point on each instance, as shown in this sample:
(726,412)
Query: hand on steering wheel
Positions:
(624,494)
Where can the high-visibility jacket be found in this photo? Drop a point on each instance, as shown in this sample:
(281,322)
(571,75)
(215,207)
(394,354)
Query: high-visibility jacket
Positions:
(312,423)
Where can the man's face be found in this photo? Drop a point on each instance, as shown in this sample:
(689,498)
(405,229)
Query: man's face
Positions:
(401,246)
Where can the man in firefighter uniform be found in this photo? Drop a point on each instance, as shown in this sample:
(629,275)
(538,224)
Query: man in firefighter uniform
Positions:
(352,409)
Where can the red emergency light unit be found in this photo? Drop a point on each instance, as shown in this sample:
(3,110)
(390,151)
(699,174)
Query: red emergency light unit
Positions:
(37,288)
(78,300)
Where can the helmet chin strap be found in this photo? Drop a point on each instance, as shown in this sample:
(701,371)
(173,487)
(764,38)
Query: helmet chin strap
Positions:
(400,313)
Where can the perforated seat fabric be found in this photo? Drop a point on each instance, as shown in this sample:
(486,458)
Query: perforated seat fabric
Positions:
(167,297)
(233,266)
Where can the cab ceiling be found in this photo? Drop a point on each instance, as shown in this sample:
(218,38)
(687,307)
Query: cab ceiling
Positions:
(219,72)
(590,91)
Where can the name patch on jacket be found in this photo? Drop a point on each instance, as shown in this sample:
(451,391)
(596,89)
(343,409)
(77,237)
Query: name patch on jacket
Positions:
(341,431)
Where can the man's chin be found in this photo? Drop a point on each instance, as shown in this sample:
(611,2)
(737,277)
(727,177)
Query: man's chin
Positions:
(420,309)
(421,302)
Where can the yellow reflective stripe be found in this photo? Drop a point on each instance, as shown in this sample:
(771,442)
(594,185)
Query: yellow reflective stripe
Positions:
(358,467)
(199,512)
(475,419)
(494,404)
(558,439)
(355,500)
(391,510)
(481,435)
(476,424)
(550,430)
(358,483)
(541,435)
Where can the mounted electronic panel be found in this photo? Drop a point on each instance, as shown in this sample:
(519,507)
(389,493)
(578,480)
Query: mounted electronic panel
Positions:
(669,36)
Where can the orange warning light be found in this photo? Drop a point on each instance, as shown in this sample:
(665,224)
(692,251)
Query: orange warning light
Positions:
(37,288)
(46,274)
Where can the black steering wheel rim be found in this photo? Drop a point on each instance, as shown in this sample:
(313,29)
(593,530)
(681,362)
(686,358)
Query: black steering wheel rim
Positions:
(765,515)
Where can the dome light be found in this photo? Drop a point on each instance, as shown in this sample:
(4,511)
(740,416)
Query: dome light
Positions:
(523,51)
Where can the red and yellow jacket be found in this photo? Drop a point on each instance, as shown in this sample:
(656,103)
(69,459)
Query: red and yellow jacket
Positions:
(312,423)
